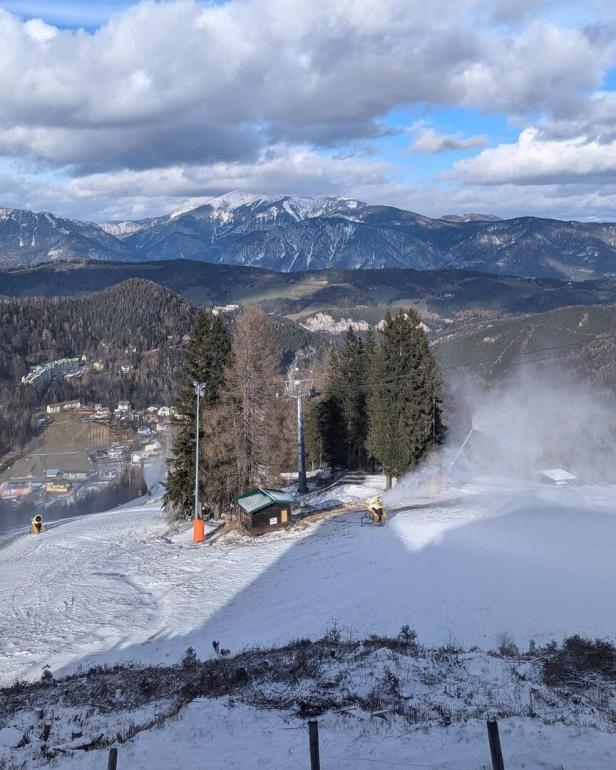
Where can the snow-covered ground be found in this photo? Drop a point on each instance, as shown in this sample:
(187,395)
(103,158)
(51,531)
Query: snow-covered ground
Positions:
(212,735)
(382,708)
(267,737)
(459,567)
(536,562)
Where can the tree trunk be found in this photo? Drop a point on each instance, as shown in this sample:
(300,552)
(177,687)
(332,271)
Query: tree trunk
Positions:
(387,481)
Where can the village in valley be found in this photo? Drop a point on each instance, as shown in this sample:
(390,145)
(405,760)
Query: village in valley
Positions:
(84,448)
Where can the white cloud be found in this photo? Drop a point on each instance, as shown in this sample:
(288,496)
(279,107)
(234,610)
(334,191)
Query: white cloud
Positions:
(535,159)
(172,101)
(429,140)
(172,79)
(39,31)
(148,192)
(137,194)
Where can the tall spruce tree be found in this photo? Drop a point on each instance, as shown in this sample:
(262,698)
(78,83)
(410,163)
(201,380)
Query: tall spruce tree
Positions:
(328,421)
(404,396)
(348,387)
(206,359)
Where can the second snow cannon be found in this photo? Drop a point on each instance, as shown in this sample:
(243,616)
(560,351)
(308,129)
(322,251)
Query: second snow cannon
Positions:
(375,511)
(36,524)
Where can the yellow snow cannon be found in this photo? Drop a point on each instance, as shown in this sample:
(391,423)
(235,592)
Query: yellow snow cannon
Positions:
(375,511)
(37,524)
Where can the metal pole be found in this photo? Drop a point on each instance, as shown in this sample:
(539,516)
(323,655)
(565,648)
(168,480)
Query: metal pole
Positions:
(112,762)
(199,390)
(197,512)
(495,746)
(313,737)
(302,486)
(459,452)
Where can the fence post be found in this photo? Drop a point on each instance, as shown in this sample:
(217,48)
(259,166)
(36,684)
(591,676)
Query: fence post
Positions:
(313,736)
(495,746)
(112,762)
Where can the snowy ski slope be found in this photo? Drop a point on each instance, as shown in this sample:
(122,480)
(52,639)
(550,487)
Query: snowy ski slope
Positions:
(533,561)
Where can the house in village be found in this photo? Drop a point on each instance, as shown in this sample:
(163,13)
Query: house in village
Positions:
(101,413)
(66,406)
(263,510)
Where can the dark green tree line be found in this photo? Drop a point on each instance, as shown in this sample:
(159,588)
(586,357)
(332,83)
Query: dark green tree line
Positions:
(382,400)
(404,396)
(341,416)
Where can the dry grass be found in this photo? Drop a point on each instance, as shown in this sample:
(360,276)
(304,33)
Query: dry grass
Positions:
(62,444)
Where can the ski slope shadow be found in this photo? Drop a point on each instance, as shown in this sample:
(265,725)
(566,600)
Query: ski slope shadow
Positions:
(539,570)
(335,572)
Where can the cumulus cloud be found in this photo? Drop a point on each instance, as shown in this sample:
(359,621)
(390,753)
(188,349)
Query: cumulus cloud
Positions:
(431,141)
(535,159)
(147,192)
(181,69)
(186,99)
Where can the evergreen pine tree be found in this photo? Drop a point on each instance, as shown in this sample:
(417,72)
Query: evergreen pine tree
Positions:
(206,358)
(404,396)
(348,387)
(329,425)
(326,420)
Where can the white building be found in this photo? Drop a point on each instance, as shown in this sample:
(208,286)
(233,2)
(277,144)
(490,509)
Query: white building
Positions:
(42,375)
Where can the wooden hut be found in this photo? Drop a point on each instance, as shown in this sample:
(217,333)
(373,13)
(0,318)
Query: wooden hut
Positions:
(263,510)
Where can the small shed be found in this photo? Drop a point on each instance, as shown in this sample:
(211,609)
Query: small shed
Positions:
(557,476)
(263,510)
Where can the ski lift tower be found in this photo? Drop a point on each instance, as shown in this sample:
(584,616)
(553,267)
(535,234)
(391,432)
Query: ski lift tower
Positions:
(300,385)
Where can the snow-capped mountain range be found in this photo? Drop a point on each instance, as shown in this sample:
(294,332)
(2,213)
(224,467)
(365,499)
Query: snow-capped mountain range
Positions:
(288,233)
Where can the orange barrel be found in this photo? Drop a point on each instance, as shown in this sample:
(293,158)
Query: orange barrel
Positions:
(198,530)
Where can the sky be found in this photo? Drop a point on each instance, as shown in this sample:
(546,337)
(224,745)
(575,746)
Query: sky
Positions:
(119,110)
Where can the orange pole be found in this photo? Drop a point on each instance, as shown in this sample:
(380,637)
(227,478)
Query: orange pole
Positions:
(198,530)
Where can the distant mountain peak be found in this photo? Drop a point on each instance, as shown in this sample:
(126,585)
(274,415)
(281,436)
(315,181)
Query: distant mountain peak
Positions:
(125,227)
(294,233)
(236,198)
(298,206)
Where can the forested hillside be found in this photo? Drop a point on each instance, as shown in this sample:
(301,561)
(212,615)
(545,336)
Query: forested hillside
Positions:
(134,332)
(136,312)
(137,324)
(443,292)
(577,339)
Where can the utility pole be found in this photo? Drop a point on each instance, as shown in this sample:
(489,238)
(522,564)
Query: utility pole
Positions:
(198,529)
(302,486)
(495,745)
(300,386)
(313,740)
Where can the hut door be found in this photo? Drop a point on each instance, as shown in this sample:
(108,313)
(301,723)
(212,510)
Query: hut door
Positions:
(284,515)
